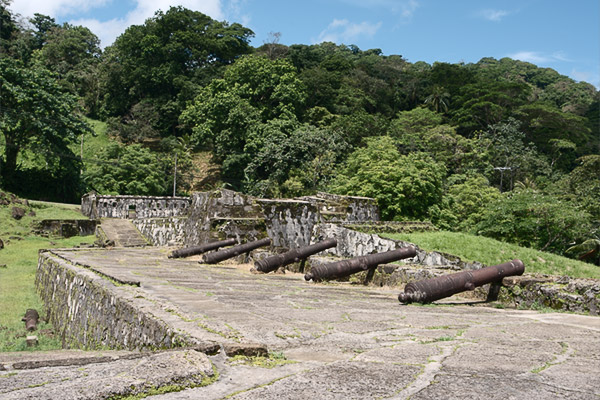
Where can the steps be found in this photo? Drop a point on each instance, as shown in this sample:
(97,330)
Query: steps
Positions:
(122,232)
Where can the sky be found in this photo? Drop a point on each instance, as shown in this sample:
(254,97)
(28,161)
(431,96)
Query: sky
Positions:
(559,34)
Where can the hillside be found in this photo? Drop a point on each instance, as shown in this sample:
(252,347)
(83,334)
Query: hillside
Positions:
(498,148)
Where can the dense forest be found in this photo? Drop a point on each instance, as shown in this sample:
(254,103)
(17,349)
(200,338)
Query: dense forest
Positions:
(500,148)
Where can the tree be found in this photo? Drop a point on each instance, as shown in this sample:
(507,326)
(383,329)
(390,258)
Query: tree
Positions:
(464,203)
(291,159)
(36,115)
(510,155)
(533,219)
(584,183)
(404,186)
(166,60)
(439,99)
(73,53)
(253,91)
(131,169)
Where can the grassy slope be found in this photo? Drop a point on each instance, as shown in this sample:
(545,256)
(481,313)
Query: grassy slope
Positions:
(491,252)
(17,289)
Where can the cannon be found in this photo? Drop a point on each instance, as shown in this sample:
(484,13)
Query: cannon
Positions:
(203,248)
(215,257)
(440,287)
(344,268)
(31,319)
(280,260)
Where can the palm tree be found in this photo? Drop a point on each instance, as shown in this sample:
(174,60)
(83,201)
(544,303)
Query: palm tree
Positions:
(438,99)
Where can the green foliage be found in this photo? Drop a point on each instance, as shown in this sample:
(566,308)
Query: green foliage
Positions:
(166,59)
(291,158)
(464,203)
(73,53)
(492,252)
(38,116)
(404,186)
(584,183)
(229,111)
(131,170)
(533,219)
(505,145)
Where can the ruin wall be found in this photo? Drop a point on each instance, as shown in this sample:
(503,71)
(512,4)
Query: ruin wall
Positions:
(90,312)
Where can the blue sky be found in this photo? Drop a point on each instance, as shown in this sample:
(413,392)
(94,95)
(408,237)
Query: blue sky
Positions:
(560,34)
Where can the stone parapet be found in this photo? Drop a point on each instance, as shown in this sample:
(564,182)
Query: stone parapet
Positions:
(90,312)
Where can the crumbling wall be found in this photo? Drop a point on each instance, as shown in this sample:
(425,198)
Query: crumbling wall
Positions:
(352,243)
(99,206)
(87,312)
(289,223)
(234,211)
(162,231)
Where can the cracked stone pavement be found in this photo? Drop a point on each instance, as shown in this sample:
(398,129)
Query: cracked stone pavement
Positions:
(357,342)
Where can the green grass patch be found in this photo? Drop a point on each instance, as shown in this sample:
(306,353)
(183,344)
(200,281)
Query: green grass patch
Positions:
(492,252)
(274,359)
(17,279)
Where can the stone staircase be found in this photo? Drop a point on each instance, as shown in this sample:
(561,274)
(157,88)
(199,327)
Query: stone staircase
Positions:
(122,232)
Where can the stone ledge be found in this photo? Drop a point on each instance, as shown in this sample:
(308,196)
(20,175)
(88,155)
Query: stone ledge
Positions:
(86,311)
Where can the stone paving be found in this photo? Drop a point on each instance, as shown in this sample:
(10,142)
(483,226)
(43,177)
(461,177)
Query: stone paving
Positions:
(357,342)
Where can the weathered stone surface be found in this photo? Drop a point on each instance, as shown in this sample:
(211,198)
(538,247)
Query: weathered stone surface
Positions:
(18,212)
(88,311)
(577,295)
(351,341)
(352,243)
(97,206)
(162,231)
(67,227)
(245,349)
(109,379)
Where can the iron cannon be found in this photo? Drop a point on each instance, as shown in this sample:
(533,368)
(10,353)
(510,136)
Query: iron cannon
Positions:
(203,248)
(215,257)
(440,287)
(344,268)
(280,260)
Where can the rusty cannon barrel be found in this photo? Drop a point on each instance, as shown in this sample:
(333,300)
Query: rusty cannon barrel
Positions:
(203,248)
(279,260)
(433,289)
(344,268)
(31,319)
(215,257)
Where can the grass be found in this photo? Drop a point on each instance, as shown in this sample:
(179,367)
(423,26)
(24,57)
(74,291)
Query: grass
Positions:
(492,252)
(17,280)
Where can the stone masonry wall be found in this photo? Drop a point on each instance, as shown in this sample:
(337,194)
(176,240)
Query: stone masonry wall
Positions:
(87,313)
(289,223)
(162,231)
(98,206)
(352,243)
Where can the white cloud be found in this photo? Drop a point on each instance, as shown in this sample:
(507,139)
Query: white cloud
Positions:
(108,31)
(536,57)
(586,76)
(55,8)
(493,15)
(344,31)
(406,8)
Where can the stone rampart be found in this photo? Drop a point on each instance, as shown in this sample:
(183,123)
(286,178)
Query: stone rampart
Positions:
(352,243)
(100,206)
(162,231)
(88,311)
